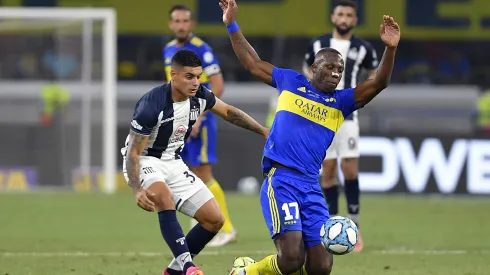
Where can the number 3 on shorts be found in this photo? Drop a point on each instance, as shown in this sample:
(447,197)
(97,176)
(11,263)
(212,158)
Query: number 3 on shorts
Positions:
(187,174)
(290,208)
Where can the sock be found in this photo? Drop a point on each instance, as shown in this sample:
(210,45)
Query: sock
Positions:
(197,238)
(268,266)
(219,195)
(175,239)
(332,198)
(352,192)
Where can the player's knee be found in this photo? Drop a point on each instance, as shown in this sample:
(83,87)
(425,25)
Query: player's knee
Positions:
(329,173)
(210,216)
(162,197)
(350,168)
(291,260)
(163,202)
(329,180)
(214,224)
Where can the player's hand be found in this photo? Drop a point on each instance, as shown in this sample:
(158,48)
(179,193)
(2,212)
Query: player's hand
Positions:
(196,128)
(143,200)
(389,31)
(230,9)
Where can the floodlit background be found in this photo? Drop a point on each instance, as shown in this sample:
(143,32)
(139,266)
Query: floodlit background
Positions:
(425,148)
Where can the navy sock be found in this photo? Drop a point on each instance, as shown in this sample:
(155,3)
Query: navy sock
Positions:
(197,238)
(332,198)
(174,237)
(352,193)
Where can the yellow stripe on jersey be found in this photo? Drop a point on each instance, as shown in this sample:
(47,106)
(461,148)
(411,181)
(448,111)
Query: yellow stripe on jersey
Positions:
(316,112)
(204,77)
(204,146)
(276,220)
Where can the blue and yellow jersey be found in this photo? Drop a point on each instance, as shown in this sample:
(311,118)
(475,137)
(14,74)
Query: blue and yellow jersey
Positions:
(209,61)
(305,123)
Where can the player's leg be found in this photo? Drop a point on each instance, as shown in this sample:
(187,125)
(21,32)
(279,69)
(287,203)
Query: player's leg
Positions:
(349,153)
(203,156)
(281,211)
(204,208)
(153,179)
(314,215)
(329,179)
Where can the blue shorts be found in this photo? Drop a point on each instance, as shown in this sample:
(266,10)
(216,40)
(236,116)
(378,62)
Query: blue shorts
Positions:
(292,201)
(202,149)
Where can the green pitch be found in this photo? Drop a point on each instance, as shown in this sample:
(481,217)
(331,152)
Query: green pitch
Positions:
(70,234)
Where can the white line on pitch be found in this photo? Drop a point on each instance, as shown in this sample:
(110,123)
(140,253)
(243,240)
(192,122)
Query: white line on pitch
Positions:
(226,252)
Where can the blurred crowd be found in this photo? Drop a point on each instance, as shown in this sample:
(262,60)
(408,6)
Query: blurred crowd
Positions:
(140,58)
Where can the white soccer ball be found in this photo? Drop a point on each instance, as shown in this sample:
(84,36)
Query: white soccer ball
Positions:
(339,235)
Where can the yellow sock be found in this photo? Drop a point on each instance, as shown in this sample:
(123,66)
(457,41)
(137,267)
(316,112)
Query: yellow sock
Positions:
(268,266)
(219,195)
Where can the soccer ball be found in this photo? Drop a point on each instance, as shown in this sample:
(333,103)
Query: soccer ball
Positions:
(242,262)
(339,235)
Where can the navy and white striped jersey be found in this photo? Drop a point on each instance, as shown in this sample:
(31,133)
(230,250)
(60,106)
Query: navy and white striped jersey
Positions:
(357,53)
(167,123)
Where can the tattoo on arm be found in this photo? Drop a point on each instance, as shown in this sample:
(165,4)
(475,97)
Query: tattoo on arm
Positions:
(135,147)
(243,50)
(241,119)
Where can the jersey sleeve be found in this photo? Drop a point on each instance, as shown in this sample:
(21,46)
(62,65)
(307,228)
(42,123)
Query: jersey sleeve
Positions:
(310,54)
(345,99)
(281,78)
(370,61)
(210,62)
(145,116)
(208,96)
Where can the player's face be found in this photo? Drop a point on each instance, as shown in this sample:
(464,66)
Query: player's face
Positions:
(186,79)
(344,19)
(327,72)
(181,24)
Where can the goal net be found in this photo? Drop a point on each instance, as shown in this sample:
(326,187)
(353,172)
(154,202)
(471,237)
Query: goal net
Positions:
(58,98)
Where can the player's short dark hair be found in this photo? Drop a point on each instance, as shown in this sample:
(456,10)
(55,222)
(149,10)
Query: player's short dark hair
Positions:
(345,3)
(325,51)
(179,7)
(186,58)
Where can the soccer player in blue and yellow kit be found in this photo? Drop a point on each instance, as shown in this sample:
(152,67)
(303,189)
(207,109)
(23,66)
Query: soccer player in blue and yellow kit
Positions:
(200,150)
(308,115)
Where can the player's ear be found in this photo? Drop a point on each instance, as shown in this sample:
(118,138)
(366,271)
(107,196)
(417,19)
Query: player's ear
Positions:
(313,68)
(173,73)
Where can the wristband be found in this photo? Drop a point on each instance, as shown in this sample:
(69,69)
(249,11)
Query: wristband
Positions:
(233,27)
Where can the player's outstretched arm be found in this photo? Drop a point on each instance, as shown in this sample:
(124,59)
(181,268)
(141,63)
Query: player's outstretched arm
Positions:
(136,145)
(238,117)
(367,90)
(243,50)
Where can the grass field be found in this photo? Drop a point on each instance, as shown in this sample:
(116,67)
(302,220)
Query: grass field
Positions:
(48,234)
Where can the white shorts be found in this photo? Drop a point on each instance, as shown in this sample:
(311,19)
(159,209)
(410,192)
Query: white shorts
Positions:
(345,144)
(189,192)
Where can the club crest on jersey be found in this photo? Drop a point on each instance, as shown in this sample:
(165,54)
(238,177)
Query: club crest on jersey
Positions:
(180,130)
(194,113)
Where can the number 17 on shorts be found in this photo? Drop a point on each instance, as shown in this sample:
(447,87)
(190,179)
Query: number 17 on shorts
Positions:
(280,208)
